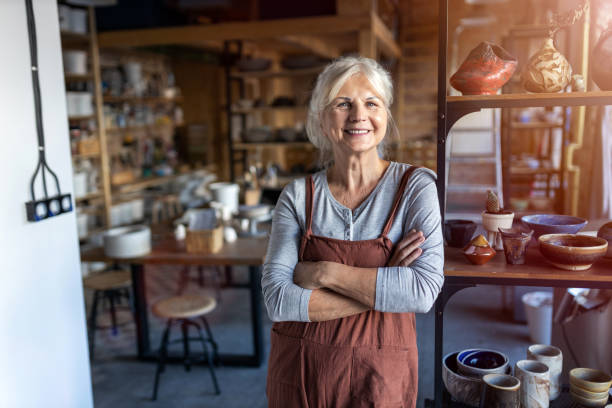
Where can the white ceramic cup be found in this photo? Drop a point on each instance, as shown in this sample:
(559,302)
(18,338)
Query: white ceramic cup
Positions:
(75,62)
(553,358)
(535,383)
(226,194)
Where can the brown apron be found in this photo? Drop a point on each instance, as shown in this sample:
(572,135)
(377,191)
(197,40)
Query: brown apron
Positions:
(365,360)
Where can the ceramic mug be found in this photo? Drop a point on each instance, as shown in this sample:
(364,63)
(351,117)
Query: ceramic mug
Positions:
(500,391)
(553,358)
(535,383)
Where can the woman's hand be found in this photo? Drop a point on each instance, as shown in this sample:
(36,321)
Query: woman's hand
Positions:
(309,274)
(407,250)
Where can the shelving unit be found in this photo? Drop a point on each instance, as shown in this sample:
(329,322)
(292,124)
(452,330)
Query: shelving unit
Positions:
(356,27)
(100,199)
(536,272)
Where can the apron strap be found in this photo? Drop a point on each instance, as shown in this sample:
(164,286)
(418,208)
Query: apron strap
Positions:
(309,204)
(398,199)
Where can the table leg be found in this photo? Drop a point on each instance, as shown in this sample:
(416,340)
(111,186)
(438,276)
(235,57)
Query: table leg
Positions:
(439,330)
(140,311)
(256,319)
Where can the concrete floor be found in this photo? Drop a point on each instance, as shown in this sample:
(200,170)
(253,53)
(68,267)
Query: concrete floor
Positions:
(473,317)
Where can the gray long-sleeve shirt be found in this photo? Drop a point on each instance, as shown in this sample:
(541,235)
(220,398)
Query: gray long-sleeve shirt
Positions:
(398,289)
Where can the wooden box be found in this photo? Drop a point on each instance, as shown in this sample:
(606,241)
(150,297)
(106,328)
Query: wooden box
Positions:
(204,241)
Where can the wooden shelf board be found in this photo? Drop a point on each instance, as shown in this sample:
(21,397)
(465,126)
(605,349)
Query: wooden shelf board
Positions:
(535,268)
(271,109)
(78,156)
(253,146)
(69,38)
(90,196)
(140,99)
(139,127)
(529,100)
(277,74)
(521,171)
(535,125)
(84,117)
(77,77)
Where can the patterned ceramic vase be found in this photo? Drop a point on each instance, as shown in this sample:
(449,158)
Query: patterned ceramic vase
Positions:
(547,70)
(601,61)
(486,69)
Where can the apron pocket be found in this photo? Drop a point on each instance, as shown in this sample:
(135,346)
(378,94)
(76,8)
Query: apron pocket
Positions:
(285,363)
(385,376)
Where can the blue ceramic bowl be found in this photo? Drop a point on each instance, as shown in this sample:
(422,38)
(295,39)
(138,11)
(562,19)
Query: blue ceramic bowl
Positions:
(479,362)
(553,224)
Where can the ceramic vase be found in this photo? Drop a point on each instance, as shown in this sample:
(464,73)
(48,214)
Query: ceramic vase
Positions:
(486,69)
(535,384)
(492,223)
(601,61)
(605,232)
(500,391)
(553,358)
(515,244)
(547,70)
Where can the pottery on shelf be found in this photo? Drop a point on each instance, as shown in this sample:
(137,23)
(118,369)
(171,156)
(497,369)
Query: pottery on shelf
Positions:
(478,251)
(515,244)
(492,222)
(605,232)
(553,224)
(482,362)
(601,61)
(572,252)
(486,69)
(500,391)
(547,70)
(459,232)
(462,388)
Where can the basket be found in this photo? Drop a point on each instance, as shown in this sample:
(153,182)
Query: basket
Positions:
(88,146)
(204,241)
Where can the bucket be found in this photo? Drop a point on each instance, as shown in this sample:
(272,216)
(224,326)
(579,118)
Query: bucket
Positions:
(226,194)
(538,308)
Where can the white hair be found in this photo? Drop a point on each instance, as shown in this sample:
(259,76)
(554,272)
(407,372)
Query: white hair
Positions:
(326,89)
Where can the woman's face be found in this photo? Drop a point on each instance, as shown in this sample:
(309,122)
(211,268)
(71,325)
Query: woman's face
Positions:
(356,120)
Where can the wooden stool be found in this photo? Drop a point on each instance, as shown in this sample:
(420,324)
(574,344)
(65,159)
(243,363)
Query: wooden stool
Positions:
(112,286)
(185,309)
(213,272)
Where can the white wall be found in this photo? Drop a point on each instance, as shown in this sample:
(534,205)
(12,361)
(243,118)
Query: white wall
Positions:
(43,343)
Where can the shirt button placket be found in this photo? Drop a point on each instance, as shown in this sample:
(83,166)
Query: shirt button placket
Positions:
(349,225)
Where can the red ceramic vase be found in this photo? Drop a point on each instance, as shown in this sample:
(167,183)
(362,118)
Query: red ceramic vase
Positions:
(486,69)
(601,61)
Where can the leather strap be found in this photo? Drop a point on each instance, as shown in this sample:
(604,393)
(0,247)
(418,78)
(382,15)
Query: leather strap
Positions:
(398,199)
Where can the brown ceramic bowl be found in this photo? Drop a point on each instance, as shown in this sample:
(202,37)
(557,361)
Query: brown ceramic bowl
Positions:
(590,379)
(464,389)
(605,232)
(572,252)
(478,255)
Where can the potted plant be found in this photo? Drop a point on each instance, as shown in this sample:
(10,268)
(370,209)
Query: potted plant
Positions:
(495,217)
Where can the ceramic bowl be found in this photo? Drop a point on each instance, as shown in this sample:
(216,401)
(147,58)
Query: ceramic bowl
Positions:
(572,252)
(253,64)
(478,255)
(482,362)
(459,232)
(463,389)
(553,224)
(586,402)
(581,392)
(605,232)
(590,379)
(491,222)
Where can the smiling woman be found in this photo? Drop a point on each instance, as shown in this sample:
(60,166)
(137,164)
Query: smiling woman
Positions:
(355,250)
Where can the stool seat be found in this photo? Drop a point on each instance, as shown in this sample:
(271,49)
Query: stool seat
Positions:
(108,280)
(184,306)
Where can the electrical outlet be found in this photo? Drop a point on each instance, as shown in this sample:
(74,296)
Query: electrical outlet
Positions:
(42,209)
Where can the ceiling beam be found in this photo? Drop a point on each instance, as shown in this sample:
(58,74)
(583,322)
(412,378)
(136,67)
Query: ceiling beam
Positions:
(316,45)
(197,35)
(387,44)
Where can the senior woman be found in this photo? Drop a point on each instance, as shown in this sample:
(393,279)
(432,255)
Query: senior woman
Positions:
(355,250)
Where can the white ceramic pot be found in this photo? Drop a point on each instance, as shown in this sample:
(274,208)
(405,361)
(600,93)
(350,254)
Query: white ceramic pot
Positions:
(535,383)
(78,20)
(79,182)
(492,222)
(127,242)
(82,219)
(63,12)
(553,358)
(75,62)
(226,194)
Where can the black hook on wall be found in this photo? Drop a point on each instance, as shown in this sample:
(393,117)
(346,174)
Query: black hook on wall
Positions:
(41,209)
